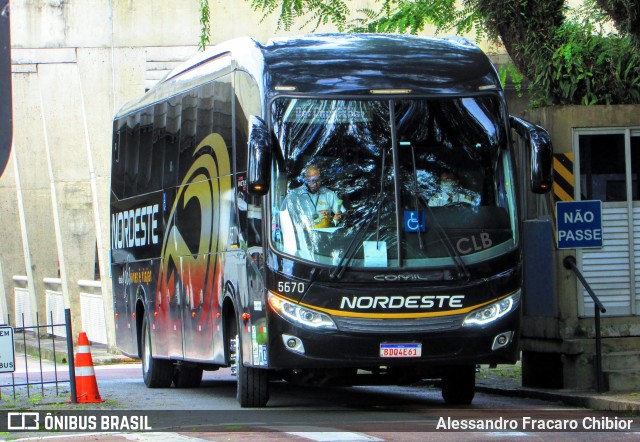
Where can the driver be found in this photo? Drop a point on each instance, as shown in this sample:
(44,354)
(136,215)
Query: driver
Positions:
(451,192)
(316,205)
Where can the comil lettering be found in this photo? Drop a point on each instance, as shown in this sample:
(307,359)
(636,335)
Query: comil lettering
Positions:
(135,227)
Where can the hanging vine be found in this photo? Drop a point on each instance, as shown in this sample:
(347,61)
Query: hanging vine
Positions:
(205,25)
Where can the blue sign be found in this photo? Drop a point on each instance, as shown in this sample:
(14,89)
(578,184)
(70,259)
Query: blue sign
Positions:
(414,221)
(579,224)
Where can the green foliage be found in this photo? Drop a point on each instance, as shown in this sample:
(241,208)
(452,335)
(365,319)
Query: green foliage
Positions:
(589,68)
(205,25)
(591,14)
(317,12)
(509,72)
(35,398)
(401,16)
(625,15)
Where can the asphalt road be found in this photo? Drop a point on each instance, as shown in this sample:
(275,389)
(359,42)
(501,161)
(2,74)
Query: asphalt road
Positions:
(211,412)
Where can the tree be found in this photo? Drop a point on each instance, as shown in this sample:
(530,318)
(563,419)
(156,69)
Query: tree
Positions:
(568,59)
(565,55)
(626,15)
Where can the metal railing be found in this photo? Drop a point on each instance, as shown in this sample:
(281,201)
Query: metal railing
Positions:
(569,263)
(39,334)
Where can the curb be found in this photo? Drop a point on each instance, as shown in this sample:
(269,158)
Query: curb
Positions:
(575,399)
(61,356)
(115,359)
(44,352)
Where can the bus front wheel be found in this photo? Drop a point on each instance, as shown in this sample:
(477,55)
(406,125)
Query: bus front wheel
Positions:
(459,385)
(157,373)
(253,383)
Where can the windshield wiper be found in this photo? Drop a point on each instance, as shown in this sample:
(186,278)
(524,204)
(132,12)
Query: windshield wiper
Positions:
(353,246)
(463,271)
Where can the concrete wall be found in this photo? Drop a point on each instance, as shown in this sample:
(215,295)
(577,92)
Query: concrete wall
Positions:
(569,336)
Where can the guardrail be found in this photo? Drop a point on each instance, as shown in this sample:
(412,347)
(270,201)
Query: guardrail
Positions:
(39,338)
(569,263)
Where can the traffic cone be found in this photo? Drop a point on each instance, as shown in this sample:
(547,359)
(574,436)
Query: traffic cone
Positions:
(86,384)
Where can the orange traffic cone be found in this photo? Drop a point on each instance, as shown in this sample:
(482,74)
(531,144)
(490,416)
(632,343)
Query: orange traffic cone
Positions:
(86,384)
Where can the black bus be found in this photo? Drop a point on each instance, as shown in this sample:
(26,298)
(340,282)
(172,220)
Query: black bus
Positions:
(324,209)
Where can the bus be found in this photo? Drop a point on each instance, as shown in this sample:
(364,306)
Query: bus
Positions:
(324,210)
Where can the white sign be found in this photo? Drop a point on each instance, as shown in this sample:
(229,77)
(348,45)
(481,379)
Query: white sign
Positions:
(7,356)
(375,253)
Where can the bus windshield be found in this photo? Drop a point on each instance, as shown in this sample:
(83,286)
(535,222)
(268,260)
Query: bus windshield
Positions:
(400,183)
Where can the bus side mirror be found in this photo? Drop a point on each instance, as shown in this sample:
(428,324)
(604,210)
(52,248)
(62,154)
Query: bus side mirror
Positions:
(259,158)
(541,153)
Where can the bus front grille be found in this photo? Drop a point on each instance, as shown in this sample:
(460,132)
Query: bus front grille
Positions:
(417,325)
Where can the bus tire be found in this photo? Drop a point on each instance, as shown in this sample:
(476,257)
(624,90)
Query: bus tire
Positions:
(253,384)
(187,377)
(459,385)
(157,373)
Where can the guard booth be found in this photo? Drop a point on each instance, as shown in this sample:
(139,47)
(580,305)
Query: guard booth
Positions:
(596,158)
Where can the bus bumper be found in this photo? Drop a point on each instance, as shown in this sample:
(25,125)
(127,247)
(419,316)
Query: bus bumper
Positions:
(294,347)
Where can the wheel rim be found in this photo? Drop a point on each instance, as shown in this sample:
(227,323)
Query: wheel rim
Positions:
(146,358)
(234,355)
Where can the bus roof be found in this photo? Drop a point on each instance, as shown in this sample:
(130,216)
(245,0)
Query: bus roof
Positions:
(331,64)
(358,63)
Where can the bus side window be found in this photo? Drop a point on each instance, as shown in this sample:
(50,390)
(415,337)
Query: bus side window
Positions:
(130,156)
(187,131)
(221,116)
(172,109)
(205,107)
(247,103)
(149,157)
(117,163)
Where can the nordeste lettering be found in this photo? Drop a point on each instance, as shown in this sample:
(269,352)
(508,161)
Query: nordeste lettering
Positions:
(135,228)
(398,302)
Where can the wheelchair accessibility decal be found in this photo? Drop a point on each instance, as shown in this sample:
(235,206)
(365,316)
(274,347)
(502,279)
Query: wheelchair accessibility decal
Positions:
(414,220)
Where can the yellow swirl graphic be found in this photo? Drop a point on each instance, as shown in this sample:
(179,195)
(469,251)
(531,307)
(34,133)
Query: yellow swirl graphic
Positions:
(208,183)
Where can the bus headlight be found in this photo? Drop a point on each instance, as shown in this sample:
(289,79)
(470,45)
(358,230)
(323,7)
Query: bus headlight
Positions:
(303,316)
(492,312)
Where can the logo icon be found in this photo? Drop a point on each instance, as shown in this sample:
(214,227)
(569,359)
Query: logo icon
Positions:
(23,421)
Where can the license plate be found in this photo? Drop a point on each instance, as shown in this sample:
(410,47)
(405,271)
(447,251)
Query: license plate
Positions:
(411,350)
